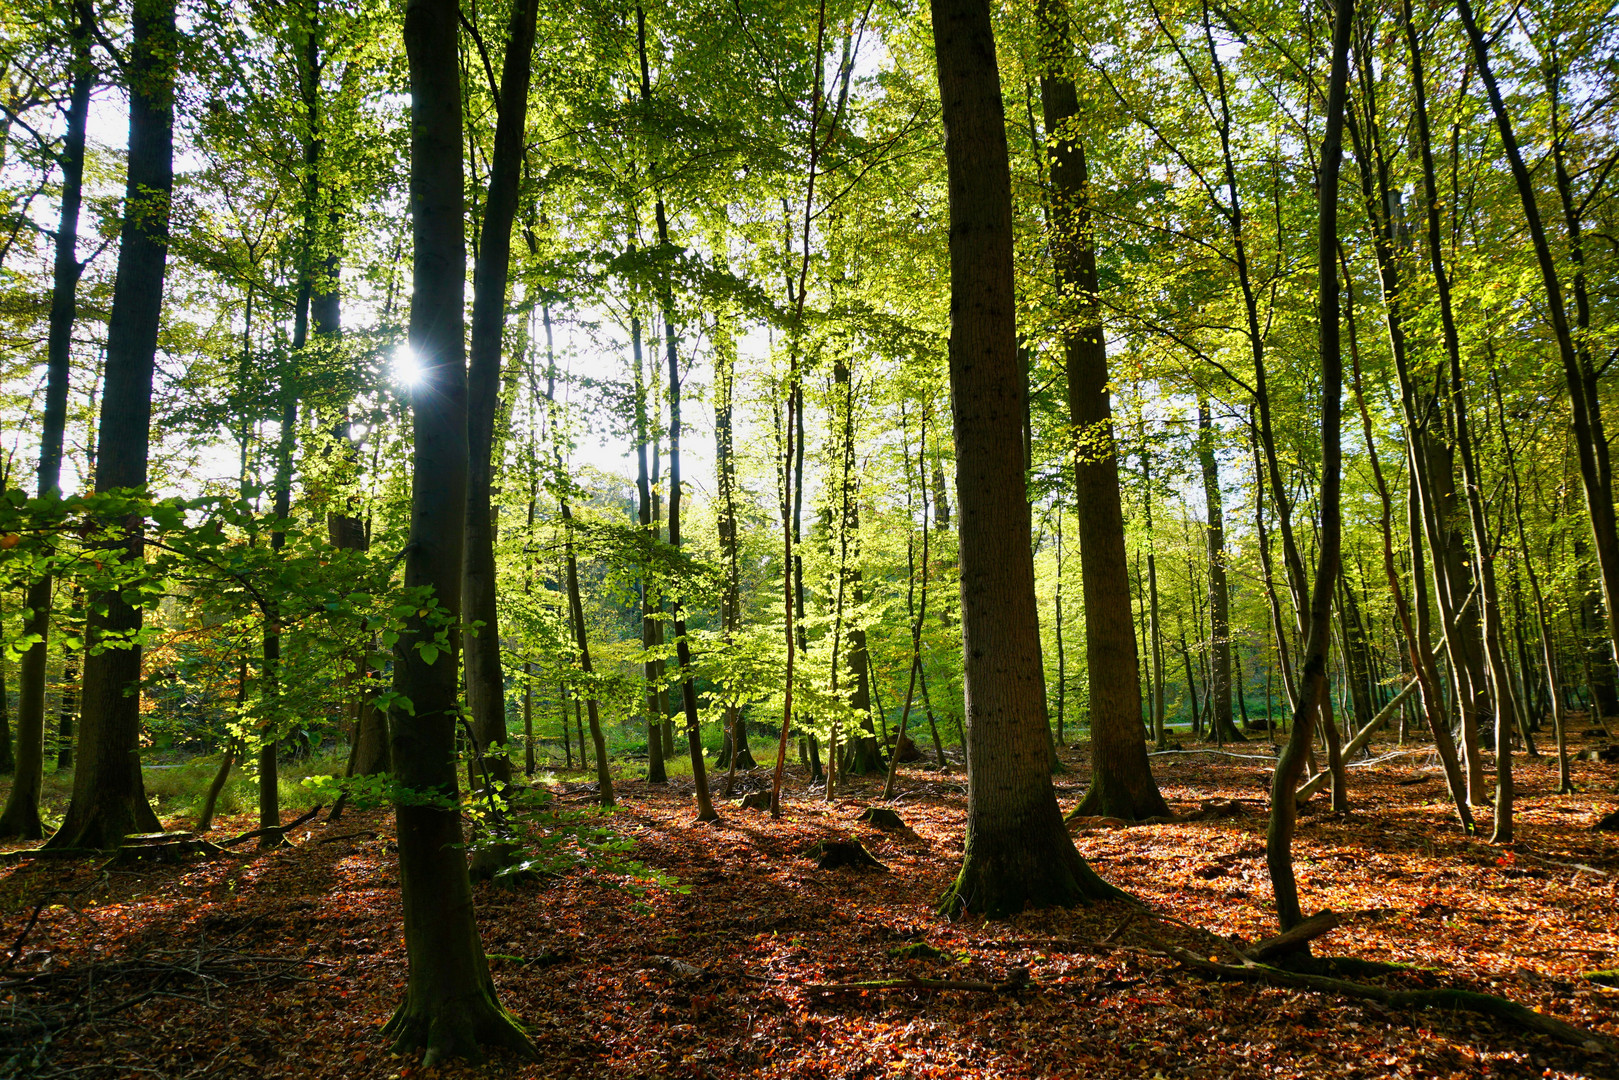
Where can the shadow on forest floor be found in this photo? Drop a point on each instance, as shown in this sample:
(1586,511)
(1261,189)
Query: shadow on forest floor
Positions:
(286,964)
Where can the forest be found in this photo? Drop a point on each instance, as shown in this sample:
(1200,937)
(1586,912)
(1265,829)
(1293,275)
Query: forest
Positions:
(833,539)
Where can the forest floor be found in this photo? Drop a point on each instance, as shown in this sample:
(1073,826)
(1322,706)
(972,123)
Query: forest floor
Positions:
(285,964)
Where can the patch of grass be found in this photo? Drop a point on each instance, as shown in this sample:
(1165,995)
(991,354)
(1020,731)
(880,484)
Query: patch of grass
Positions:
(179,790)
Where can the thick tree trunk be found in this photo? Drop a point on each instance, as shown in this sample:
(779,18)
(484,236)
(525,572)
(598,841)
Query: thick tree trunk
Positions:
(20,818)
(485,679)
(450,1007)
(1313,676)
(109,797)
(1121,779)
(1018,854)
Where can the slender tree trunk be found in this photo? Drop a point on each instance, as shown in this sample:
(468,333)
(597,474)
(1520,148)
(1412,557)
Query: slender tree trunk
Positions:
(109,797)
(648,590)
(1219,595)
(725,464)
(485,680)
(450,1007)
(1415,632)
(20,818)
(1160,736)
(1590,438)
(68,710)
(918,611)
(1018,854)
(1548,652)
(1313,688)
(1489,605)
(1062,666)
(1122,784)
(1191,685)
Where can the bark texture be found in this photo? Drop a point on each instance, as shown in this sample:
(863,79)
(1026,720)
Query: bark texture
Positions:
(109,797)
(1121,780)
(1018,854)
(449,1007)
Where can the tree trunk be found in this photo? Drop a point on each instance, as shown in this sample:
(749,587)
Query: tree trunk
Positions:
(109,797)
(1121,779)
(725,465)
(1589,437)
(648,590)
(1219,594)
(1313,676)
(485,680)
(1018,854)
(1414,630)
(1155,631)
(916,607)
(20,818)
(1548,651)
(1489,606)
(68,710)
(450,1007)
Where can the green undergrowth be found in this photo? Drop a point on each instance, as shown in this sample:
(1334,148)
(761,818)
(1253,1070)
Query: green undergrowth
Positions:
(177,791)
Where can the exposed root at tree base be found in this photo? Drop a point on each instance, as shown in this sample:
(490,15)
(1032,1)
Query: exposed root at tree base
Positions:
(451,1029)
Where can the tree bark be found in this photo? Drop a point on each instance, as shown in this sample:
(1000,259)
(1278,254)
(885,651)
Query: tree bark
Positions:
(1018,854)
(450,1007)
(109,797)
(1589,437)
(1121,779)
(1160,736)
(485,679)
(20,818)
(1489,605)
(725,465)
(1220,724)
(1313,676)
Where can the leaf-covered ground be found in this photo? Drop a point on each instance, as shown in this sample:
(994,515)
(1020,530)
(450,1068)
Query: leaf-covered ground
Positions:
(286,964)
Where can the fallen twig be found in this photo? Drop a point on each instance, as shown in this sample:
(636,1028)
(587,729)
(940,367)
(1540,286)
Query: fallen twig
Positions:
(1016,979)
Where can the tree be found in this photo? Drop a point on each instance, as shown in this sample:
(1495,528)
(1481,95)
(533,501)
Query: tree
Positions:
(1018,853)
(449,1007)
(20,818)
(1121,780)
(486,697)
(109,797)
(1313,672)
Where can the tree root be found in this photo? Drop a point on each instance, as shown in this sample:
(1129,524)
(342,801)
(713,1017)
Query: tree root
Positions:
(450,1029)
(1465,1000)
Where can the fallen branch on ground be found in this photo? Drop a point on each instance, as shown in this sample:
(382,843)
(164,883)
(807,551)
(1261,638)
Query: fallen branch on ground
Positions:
(1289,940)
(283,829)
(1016,979)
